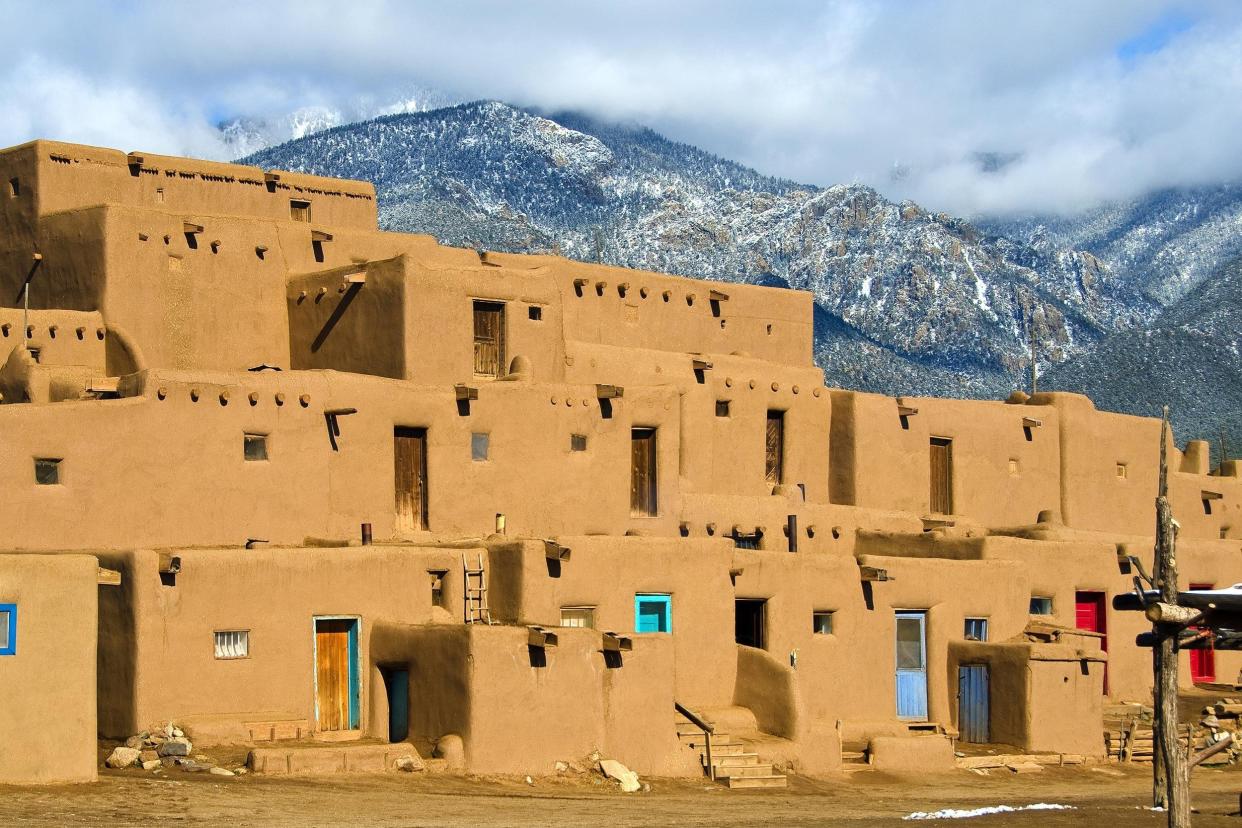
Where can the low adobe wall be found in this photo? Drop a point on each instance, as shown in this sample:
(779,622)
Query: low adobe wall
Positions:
(47,686)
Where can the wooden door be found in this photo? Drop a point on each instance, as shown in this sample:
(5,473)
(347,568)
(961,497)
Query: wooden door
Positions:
(1203,661)
(489,339)
(336,674)
(972,703)
(1090,614)
(644,494)
(774,448)
(941,476)
(410,459)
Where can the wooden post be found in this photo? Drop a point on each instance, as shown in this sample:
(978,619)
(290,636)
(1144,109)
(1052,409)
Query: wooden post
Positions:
(1169,758)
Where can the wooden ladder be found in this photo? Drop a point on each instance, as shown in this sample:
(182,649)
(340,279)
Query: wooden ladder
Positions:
(474,582)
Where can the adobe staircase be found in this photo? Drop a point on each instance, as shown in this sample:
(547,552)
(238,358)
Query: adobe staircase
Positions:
(730,763)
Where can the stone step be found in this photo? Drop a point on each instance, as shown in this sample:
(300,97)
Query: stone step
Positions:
(773,781)
(698,734)
(734,760)
(322,760)
(856,756)
(731,771)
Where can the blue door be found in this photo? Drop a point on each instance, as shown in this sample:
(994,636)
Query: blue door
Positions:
(972,703)
(397,688)
(912,665)
(653,612)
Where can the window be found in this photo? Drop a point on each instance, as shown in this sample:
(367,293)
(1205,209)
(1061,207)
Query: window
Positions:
(577,442)
(15,187)
(774,448)
(821,622)
(1041,606)
(489,339)
(1013,467)
(752,540)
(159,195)
(47,471)
(941,476)
(254,446)
(976,629)
(578,617)
(35,353)
(535,313)
(8,629)
(1207,498)
(478,445)
(299,210)
(722,408)
(437,587)
(644,495)
(749,622)
(653,612)
(1123,471)
(232,643)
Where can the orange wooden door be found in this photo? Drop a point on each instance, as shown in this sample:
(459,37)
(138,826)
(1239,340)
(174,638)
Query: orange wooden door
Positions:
(332,673)
(410,458)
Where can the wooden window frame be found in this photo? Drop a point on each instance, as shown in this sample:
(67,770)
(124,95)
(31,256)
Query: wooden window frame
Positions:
(831,615)
(300,210)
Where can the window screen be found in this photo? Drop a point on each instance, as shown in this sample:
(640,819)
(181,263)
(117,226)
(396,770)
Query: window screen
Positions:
(479,445)
(577,442)
(232,643)
(909,644)
(578,617)
(255,446)
(821,622)
(8,629)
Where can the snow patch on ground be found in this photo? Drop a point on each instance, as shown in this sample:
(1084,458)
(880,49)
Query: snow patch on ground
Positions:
(954,813)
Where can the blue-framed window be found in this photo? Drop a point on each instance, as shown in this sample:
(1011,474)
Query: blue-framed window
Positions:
(8,629)
(653,612)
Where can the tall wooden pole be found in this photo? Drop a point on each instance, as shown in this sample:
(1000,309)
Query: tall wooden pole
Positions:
(1170,758)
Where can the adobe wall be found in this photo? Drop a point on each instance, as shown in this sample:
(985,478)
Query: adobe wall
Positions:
(172,471)
(167,632)
(47,687)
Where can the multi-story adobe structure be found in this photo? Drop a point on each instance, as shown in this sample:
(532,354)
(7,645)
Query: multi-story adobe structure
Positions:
(224,374)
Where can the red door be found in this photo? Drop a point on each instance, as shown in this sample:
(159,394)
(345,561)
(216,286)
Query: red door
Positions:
(1203,662)
(1089,615)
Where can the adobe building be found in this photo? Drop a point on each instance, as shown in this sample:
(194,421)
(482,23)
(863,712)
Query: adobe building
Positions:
(283,478)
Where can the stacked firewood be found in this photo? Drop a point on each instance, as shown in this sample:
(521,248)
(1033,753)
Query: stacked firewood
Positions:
(1133,739)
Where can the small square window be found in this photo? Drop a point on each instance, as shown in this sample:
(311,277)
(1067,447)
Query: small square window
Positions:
(159,195)
(1123,471)
(535,313)
(722,408)
(976,629)
(15,187)
(255,446)
(821,622)
(232,643)
(583,617)
(479,441)
(299,210)
(577,442)
(1013,467)
(437,587)
(8,629)
(47,471)
(1041,606)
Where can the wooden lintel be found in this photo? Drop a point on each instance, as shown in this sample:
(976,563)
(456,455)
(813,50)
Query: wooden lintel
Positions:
(906,411)
(718,296)
(540,637)
(617,643)
(874,574)
(133,159)
(191,227)
(580,282)
(359,278)
(702,365)
(169,563)
(107,577)
(1205,495)
(466,392)
(1031,422)
(736,572)
(340,412)
(609,392)
(271,177)
(321,236)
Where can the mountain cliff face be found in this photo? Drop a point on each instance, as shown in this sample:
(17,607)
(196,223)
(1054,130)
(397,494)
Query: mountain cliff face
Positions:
(907,301)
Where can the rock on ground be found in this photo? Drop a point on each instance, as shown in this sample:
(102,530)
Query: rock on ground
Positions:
(123,757)
(615,770)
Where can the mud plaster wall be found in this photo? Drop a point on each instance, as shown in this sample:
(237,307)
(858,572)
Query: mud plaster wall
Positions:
(47,689)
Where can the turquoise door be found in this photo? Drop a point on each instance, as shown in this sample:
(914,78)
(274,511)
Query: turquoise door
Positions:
(912,665)
(653,612)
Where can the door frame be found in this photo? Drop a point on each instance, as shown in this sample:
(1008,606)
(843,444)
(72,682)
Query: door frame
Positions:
(665,598)
(1099,598)
(355,673)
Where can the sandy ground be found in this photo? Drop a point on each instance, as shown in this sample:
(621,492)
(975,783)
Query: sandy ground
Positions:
(1113,797)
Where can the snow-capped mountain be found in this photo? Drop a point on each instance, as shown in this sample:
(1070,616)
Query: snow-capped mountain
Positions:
(907,301)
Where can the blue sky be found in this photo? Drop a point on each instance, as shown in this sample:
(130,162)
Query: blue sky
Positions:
(1086,100)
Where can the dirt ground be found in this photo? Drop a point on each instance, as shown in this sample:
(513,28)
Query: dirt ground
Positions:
(1111,796)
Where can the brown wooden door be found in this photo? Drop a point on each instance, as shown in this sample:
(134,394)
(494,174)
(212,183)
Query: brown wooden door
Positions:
(644,494)
(774,449)
(332,673)
(410,458)
(941,476)
(489,339)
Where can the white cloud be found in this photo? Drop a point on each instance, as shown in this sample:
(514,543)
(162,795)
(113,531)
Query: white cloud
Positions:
(821,92)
